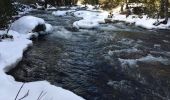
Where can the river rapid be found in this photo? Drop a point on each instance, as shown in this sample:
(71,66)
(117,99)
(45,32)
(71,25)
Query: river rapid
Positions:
(116,61)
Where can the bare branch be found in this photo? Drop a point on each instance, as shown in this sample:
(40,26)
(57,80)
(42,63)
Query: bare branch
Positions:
(42,94)
(19,91)
(24,95)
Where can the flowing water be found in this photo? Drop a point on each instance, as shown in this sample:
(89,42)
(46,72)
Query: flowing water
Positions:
(117,61)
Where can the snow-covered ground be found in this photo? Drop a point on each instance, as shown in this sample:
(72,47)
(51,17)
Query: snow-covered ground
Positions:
(144,21)
(11,52)
(92,18)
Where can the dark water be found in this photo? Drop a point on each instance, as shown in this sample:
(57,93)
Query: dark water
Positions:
(113,62)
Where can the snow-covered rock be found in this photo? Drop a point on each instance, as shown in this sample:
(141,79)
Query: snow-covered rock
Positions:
(91,19)
(27,24)
(85,24)
(49,28)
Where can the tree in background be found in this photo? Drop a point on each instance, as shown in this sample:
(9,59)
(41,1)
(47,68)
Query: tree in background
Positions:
(6,12)
(164,10)
(60,2)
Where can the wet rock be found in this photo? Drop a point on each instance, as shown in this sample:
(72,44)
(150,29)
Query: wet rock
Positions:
(39,28)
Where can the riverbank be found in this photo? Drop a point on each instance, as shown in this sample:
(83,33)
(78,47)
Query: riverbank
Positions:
(11,54)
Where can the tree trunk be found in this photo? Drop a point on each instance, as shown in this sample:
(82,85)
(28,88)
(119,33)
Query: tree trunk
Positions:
(163,12)
(166,10)
(127,6)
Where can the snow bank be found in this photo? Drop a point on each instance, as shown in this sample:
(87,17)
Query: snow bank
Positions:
(27,24)
(62,13)
(11,52)
(91,19)
(144,21)
(86,24)
(99,16)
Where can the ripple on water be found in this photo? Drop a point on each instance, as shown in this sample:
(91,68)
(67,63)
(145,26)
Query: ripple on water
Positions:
(115,62)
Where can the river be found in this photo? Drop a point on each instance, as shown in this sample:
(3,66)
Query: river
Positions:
(117,61)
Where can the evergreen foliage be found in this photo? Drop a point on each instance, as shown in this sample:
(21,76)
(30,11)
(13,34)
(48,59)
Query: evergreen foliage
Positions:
(6,12)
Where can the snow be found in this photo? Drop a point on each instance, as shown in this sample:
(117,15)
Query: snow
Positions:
(91,19)
(87,24)
(49,28)
(26,24)
(22,8)
(90,7)
(11,52)
(98,16)
(50,7)
(136,5)
(62,13)
(38,6)
(144,22)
